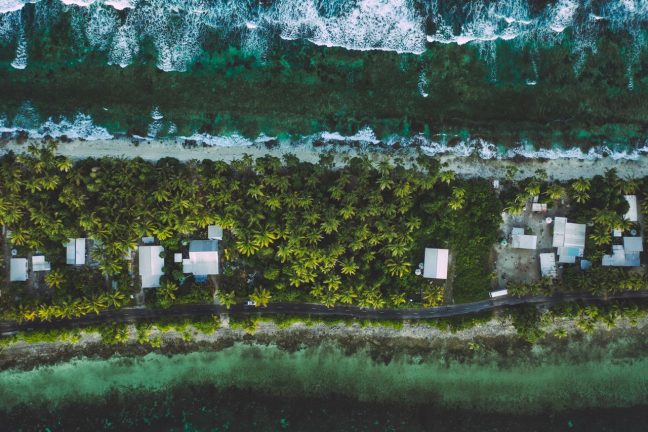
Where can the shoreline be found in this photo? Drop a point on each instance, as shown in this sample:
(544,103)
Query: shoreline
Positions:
(418,364)
(472,166)
(497,337)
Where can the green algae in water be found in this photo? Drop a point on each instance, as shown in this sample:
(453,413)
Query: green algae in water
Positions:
(326,371)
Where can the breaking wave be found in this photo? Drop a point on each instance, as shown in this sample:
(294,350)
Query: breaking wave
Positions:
(177,27)
(28,122)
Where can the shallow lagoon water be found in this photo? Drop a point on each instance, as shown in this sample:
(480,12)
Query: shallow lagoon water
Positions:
(318,377)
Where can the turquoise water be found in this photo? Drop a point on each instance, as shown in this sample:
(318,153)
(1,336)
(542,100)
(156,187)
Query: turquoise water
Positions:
(266,375)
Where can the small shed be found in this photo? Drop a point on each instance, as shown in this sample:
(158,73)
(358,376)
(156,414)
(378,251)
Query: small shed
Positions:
(214,232)
(18,270)
(548,265)
(539,207)
(519,240)
(435,265)
(39,263)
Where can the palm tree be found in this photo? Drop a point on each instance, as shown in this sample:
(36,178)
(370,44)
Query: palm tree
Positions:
(55,279)
(261,296)
(347,296)
(447,177)
(580,196)
(601,236)
(556,192)
(265,237)
(630,186)
(246,246)
(397,268)
(330,225)
(433,296)
(349,267)
(581,185)
(397,299)
(116,299)
(227,299)
(64,164)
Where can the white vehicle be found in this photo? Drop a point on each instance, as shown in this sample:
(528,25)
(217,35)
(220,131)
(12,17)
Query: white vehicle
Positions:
(250,303)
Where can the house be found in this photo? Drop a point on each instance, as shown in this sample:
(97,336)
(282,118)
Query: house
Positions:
(214,232)
(203,258)
(150,265)
(626,255)
(569,238)
(633,214)
(76,251)
(18,270)
(435,265)
(548,265)
(519,240)
(39,263)
(538,207)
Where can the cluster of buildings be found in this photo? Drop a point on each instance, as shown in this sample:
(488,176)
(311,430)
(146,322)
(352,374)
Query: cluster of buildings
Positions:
(569,242)
(201,259)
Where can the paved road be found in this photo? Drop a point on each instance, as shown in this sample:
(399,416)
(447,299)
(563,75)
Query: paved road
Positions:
(133,315)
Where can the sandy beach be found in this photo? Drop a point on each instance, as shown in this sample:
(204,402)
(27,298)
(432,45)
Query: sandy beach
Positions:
(469,167)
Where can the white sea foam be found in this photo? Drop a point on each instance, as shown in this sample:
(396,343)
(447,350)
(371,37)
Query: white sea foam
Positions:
(80,127)
(177,26)
(219,141)
(7,6)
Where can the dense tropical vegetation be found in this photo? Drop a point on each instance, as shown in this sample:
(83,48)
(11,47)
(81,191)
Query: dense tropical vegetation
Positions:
(600,204)
(294,230)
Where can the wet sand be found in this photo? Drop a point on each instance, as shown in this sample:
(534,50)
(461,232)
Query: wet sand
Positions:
(469,167)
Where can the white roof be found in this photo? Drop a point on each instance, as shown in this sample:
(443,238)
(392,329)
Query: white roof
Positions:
(150,265)
(524,242)
(76,251)
(177,257)
(539,207)
(436,263)
(18,270)
(39,263)
(548,265)
(621,258)
(569,238)
(214,232)
(632,214)
(633,244)
(203,258)
(499,293)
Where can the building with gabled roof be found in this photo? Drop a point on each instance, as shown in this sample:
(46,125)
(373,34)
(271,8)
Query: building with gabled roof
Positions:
(76,251)
(569,239)
(150,265)
(18,270)
(548,265)
(435,265)
(626,255)
(203,258)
